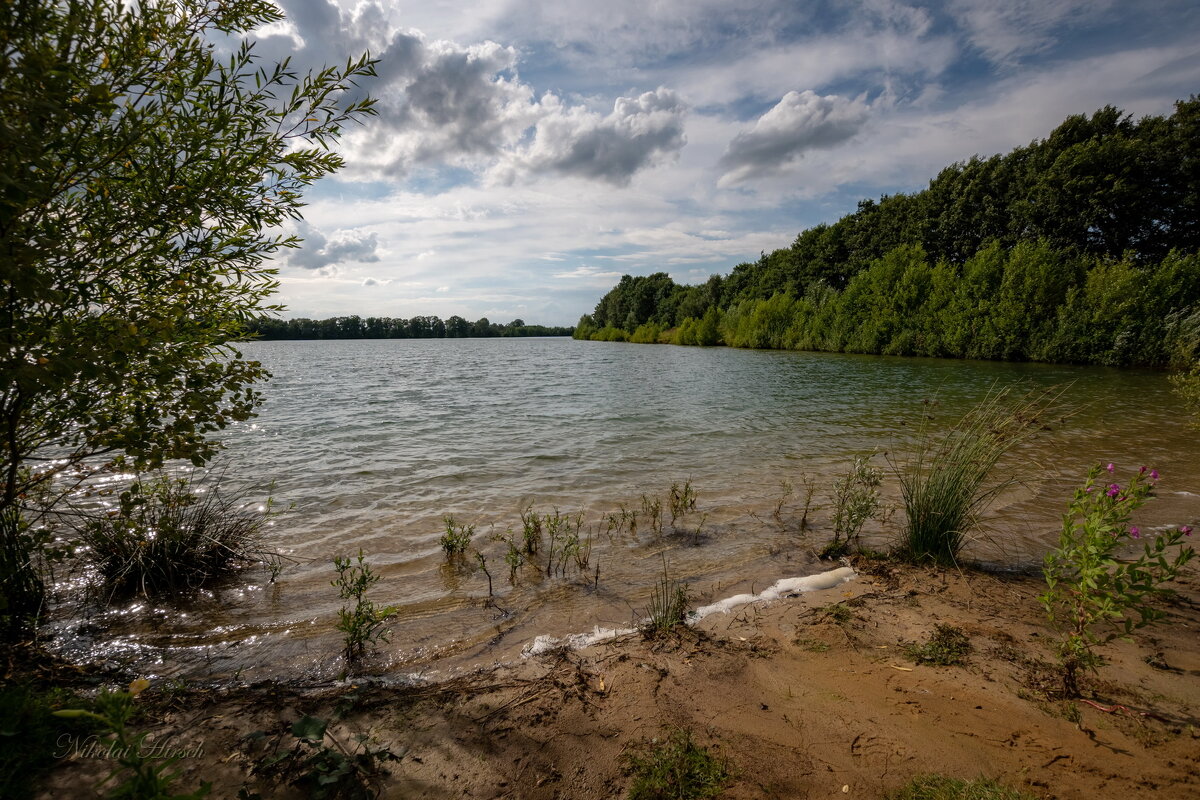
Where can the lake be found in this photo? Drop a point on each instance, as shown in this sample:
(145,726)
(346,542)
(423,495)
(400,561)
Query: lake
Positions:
(372,443)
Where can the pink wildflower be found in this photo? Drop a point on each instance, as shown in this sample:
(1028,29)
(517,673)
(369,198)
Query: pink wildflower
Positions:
(1134,531)
(1113,490)
(1110,467)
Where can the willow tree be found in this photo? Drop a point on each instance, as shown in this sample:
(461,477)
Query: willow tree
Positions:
(147,160)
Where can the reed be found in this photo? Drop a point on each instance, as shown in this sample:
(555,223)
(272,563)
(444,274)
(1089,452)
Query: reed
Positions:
(948,478)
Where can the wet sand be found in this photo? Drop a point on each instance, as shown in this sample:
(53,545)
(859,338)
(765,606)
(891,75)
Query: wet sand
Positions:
(804,697)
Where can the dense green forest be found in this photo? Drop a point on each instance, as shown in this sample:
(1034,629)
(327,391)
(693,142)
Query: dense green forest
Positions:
(1081,247)
(355,327)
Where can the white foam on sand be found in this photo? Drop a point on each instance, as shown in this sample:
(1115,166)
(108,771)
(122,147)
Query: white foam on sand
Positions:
(785,587)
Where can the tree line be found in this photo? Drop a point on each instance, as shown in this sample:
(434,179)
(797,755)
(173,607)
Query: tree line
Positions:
(1081,247)
(356,327)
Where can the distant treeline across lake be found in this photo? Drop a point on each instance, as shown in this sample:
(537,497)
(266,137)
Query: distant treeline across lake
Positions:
(1083,248)
(356,327)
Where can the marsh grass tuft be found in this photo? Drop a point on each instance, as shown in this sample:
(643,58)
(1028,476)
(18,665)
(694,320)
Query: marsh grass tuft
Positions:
(174,534)
(673,768)
(947,478)
(668,606)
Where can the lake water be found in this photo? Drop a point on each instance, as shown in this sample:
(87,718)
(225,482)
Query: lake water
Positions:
(374,442)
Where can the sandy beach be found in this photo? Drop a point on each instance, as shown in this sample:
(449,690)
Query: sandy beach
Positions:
(810,696)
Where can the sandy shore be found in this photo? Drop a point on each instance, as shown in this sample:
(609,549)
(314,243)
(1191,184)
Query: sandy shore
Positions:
(805,697)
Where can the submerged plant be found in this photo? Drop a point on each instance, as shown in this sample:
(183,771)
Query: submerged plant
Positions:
(652,510)
(947,478)
(457,538)
(683,499)
(172,534)
(855,500)
(1092,595)
(531,530)
(363,623)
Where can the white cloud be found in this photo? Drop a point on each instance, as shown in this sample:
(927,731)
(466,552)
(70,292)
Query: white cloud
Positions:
(573,141)
(800,122)
(1007,31)
(319,251)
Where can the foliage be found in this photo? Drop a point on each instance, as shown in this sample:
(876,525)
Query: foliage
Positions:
(363,624)
(531,523)
(1081,247)
(145,173)
(564,541)
(420,327)
(940,787)
(1187,386)
(143,776)
(948,646)
(1092,594)
(673,768)
(682,499)
(668,606)
(33,737)
(323,771)
(457,538)
(170,534)
(947,478)
(855,500)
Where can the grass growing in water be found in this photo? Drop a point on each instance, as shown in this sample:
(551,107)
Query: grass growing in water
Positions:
(947,479)
(668,606)
(939,787)
(683,499)
(170,534)
(674,767)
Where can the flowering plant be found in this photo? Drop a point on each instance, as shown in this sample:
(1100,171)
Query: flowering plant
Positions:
(1094,596)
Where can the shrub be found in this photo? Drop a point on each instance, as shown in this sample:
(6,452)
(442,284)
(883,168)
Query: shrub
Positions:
(457,538)
(1092,595)
(170,535)
(947,480)
(673,768)
(362,624)
(855,500)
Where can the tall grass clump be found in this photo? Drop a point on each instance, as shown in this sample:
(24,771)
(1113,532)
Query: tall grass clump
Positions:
(668,605)
(948,477)
(170,534)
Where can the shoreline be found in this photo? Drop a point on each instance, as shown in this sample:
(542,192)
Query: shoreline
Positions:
(801,697)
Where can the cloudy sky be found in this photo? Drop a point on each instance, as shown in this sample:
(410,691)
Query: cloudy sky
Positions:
(527,154)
